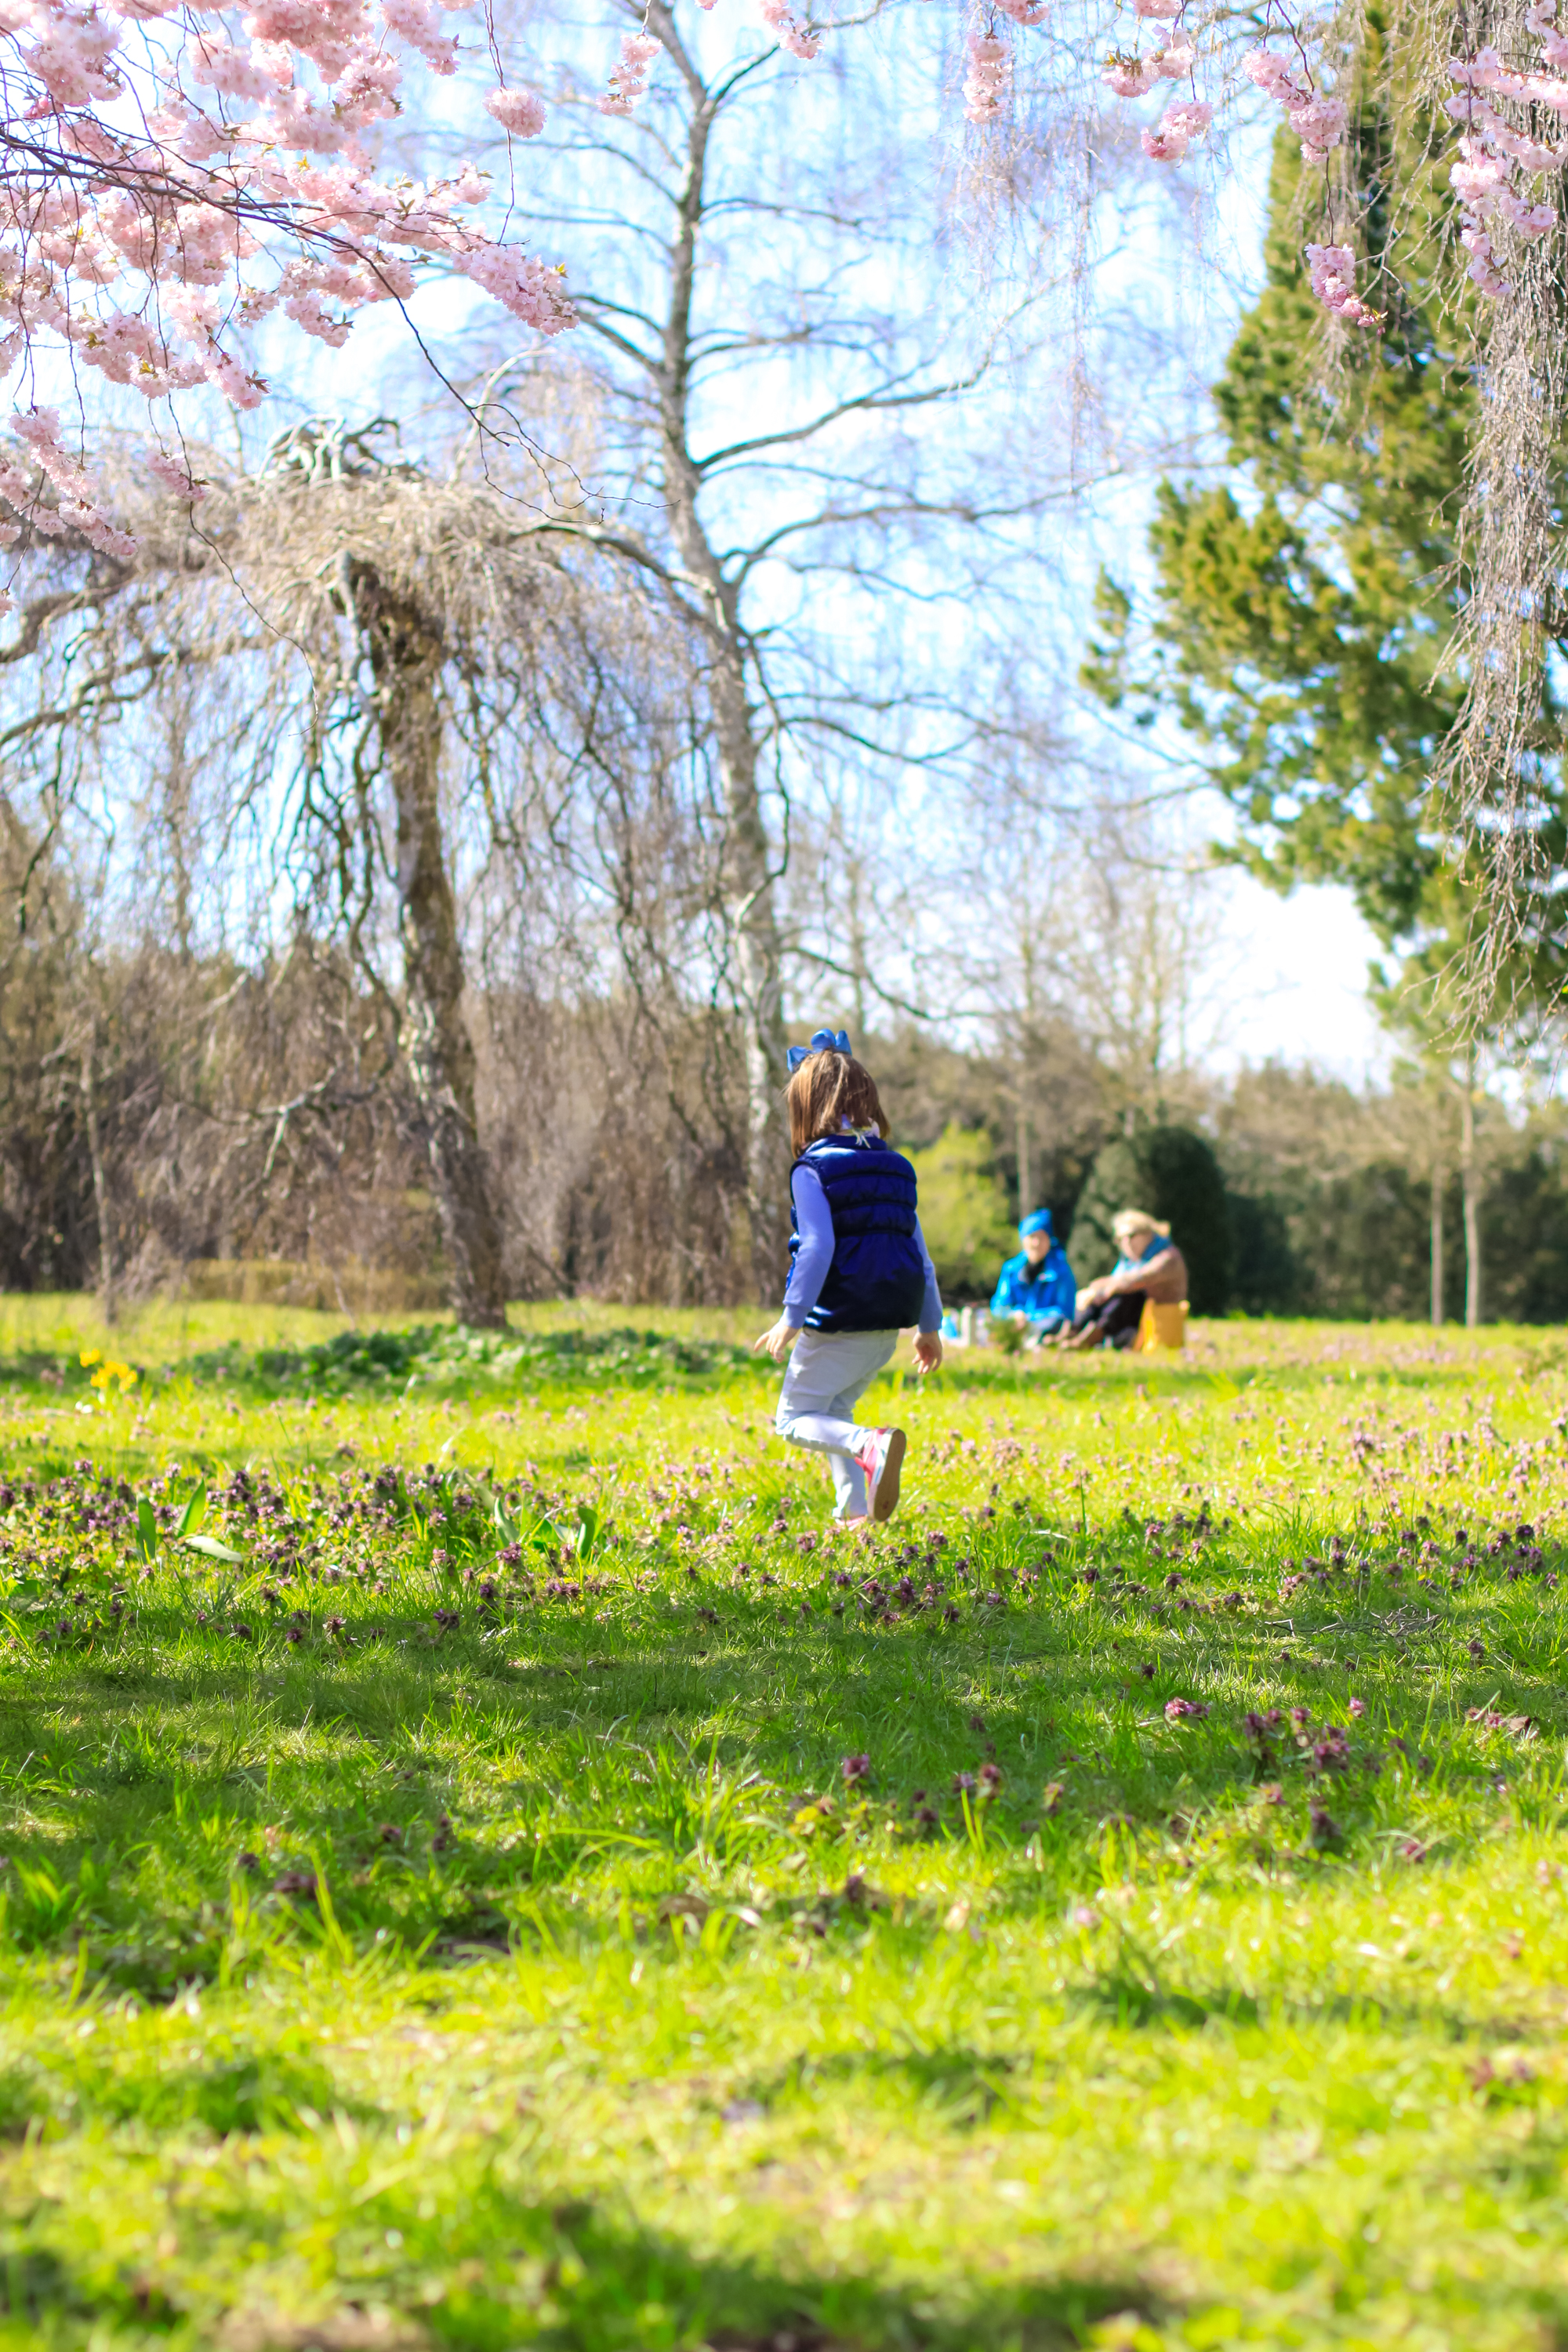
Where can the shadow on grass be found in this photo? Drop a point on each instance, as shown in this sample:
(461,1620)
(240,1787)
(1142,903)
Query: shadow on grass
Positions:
(960,2086)
(576,2280)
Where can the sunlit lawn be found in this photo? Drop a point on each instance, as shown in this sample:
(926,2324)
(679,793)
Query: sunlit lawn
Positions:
(551,1889)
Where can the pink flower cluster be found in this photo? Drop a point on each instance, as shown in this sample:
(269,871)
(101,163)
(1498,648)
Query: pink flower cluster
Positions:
(791,34)
(75,510)
(162,192)
(985,83)
(1331,269)
(1320,122)
(1491,148)
(1134,75)
(521,111)
(1182,121)
(628,79)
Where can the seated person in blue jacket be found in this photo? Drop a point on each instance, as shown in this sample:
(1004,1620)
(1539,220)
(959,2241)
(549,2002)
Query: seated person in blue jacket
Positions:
(1037,1287)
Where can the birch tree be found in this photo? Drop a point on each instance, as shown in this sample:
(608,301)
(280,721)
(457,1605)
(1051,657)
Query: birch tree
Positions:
(818,333)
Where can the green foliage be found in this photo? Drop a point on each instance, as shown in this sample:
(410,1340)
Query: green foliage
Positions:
(440,1356)
(1264,1276)
(963,1211)
(1305,612)
(1524,1240)
(1173,1174)
(1366,1243)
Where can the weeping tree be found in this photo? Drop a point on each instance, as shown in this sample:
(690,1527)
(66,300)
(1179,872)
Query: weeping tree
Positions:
(1364,646)
(405,689)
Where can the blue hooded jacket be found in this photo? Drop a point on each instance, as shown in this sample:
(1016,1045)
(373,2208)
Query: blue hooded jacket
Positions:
(876,1280)
(1043,1294)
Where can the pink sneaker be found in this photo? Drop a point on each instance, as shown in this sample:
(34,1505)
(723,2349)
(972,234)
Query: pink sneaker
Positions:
(881,1457)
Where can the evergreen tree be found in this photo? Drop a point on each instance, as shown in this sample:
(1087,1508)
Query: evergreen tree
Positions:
(1173,1174)
(1302,630)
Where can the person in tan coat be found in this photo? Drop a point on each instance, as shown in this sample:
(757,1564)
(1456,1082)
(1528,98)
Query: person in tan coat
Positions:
(1151,1267)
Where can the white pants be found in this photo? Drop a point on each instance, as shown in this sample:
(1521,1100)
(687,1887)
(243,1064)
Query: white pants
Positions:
(827,1372)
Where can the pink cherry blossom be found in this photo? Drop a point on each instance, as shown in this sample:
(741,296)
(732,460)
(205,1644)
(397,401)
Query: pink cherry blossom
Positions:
(1190,117)
(792,33)
(1492,149)
(517,110)
(1164,145)
(1129,76)
(1319,122)
(1332,270)
(628,79)
(1180,123)
(229,184)
(990,71)
(174,476)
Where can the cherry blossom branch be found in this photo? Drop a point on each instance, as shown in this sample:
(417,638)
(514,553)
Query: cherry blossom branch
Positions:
(153,200)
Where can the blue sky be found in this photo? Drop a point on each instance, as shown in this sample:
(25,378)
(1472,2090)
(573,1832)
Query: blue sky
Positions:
(1298,965)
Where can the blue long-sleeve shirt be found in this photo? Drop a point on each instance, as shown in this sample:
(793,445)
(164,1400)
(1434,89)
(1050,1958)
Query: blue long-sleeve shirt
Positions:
(1043,1295)
(813,1223)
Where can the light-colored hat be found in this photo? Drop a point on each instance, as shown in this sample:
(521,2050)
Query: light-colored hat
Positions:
(1128,1221)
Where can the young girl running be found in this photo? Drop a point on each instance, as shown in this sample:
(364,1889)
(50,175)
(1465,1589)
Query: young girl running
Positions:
(860,1272)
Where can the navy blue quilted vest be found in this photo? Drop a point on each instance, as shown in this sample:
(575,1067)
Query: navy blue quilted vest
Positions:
(876,1280)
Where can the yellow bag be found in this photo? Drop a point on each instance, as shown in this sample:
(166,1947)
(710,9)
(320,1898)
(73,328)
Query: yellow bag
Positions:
(1162,1326)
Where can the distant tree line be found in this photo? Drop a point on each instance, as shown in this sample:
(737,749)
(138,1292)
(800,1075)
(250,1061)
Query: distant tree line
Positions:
(163,1115)
(1290,1194)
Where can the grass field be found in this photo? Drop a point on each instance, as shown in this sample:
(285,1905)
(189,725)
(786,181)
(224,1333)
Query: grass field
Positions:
(548,1888)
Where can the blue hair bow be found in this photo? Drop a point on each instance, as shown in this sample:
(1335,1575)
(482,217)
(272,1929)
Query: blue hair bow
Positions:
(825,1041)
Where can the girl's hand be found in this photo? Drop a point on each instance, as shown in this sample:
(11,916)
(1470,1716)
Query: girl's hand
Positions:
(777,1342)
(928,1351)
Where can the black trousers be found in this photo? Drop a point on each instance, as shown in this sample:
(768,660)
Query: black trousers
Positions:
(1116,1320)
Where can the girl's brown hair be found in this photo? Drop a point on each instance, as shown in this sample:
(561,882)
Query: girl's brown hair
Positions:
(828,1089)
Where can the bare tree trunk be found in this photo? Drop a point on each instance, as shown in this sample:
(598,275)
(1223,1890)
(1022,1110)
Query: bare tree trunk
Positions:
(99,1184)
(676,1285)
(405,658)
(1436,1240)
(758,975)
(1026,1174)
(1470,1192)
(860,962)
(749,876)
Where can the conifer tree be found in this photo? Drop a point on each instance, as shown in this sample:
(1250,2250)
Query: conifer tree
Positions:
(1304,611)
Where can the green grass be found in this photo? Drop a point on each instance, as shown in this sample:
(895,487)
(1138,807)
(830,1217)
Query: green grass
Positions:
(464,1917)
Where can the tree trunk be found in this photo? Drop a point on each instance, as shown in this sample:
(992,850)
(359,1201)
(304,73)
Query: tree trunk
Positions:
(1470,1192)
(860,962)
(100,1185)
(749,886)
(1026,1174)
(1436,1240)
(404,652)
(749,878)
